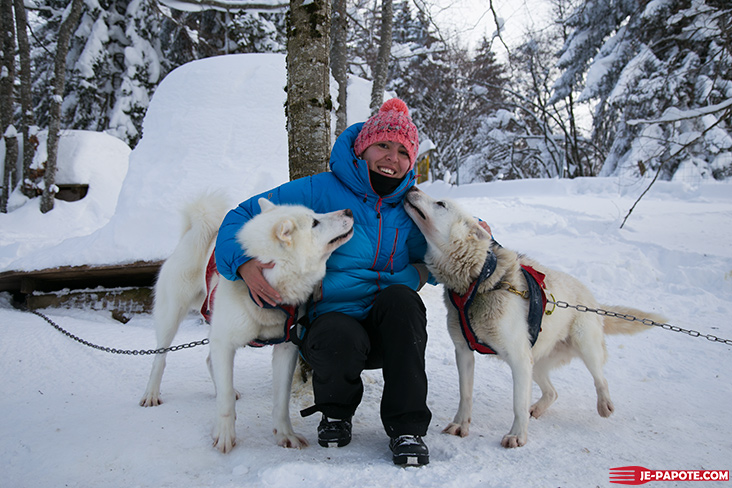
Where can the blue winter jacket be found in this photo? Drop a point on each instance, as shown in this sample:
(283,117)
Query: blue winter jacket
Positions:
(385,241)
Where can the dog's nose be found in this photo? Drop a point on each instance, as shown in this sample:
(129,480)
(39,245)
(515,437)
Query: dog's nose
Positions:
(348,212)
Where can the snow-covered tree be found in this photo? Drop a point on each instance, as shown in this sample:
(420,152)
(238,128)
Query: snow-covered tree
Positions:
(115,65)
(659,73)
(258,32)
(121,50)
(69,21)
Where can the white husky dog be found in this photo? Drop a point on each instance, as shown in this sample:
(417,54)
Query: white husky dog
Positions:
(459,252)
(299,242)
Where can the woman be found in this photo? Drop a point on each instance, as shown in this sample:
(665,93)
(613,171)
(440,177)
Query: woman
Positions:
(367,313)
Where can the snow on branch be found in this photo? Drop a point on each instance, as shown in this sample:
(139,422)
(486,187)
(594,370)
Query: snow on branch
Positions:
(223,5)
(674,114)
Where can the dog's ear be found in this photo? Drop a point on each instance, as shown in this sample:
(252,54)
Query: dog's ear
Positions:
(476,231)
(265,204)
(283,231)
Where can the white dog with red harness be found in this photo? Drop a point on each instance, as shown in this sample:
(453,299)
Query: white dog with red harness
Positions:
(496,305)
(280,234)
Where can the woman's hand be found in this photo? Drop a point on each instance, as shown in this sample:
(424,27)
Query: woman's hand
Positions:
(485,226)
(260,289)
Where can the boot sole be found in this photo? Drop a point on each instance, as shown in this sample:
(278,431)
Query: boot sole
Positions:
(411,459)
(340,443)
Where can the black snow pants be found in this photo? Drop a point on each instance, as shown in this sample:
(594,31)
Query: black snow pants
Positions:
(392,337)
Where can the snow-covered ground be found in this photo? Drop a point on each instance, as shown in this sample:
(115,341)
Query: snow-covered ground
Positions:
(70,414)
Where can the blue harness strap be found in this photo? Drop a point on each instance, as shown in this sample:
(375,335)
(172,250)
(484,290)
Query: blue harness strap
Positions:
(462,304)
(537,300)
(537,304)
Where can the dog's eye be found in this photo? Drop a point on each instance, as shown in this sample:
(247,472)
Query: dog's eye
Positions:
(316,222)
(441,204)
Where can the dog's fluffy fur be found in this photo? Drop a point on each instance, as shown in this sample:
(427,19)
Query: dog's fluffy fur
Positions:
(298,241)
(457,249)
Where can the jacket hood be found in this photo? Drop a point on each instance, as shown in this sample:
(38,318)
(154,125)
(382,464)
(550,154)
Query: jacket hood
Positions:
(354,172)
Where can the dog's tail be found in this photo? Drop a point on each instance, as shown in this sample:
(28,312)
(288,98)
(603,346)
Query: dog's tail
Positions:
(618,325)
(204,216)
(181,281)
(201,220)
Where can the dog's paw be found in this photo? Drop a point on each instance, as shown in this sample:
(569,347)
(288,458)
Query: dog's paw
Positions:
(543,404)
(150,400)
(290,441)
(512,441)
(460,430)
(224,437)
(605,408)
(536,410)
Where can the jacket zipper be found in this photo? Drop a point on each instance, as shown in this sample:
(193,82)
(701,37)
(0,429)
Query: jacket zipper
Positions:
(390,262)
(378,239)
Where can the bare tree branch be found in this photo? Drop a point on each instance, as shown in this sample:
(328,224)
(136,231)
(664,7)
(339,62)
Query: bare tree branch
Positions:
(725,116)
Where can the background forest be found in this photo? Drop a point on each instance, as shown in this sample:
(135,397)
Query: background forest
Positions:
(628,88)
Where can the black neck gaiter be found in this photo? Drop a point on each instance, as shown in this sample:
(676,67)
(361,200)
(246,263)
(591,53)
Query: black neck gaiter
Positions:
(384,185)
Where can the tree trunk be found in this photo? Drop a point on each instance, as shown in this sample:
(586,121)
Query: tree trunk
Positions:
(26,102)
(339,62)
(308,87)
(381,70)
(59,83)
(7,79)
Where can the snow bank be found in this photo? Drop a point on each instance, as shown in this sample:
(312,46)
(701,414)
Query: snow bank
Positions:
(84,157)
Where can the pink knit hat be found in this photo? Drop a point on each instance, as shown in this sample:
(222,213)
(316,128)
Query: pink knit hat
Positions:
(391,123)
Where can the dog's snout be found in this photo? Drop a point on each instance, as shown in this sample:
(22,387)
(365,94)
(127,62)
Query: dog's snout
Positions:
(348,212)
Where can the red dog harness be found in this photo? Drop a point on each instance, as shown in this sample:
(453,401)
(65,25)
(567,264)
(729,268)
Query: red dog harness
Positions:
(212,282)
(537,303)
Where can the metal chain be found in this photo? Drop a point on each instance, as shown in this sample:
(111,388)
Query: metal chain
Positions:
(557,303)
(141,352)
(631,318)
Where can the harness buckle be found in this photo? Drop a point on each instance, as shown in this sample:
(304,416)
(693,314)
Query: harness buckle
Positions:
(523,294)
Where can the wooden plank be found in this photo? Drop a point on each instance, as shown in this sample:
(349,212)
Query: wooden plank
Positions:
(140,273)
(122,302)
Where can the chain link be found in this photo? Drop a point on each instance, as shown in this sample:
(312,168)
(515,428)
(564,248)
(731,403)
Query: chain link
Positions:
(644,321)
(140,352)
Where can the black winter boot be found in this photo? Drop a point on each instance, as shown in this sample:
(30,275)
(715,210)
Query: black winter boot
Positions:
(334,432)
(409,450)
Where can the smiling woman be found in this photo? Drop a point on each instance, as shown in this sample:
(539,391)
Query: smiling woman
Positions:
(366,313)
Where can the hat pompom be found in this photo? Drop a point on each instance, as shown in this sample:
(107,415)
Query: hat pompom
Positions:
(394,104)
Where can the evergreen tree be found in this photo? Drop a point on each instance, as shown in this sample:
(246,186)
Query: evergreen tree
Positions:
(46,21)
(451,94)
(122,49)
(113,66)
(258,32)
(659,73)
(423,73)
